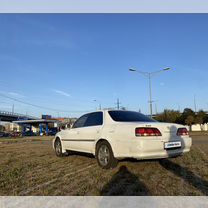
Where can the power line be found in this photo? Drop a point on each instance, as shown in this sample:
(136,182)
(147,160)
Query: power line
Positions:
(38,106)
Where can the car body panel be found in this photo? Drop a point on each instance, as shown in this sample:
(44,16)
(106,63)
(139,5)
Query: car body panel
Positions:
(81,139)
(121,136)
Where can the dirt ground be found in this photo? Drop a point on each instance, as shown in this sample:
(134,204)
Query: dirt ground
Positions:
(29,167)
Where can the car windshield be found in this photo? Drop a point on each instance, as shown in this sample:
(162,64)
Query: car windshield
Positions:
(129,116)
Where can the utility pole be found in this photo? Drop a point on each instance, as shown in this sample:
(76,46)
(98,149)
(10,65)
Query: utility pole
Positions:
(13,108)
(156,108)
(150,93)
(179,108)
(118,104)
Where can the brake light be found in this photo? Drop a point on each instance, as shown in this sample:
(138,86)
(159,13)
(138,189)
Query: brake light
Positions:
(145,132)
(182,132)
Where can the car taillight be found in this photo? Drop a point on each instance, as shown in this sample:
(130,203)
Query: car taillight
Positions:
(182,132)
(147,132)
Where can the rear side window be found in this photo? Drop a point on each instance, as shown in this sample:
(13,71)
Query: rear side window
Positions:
(94,119)
(80,122)
(129,116)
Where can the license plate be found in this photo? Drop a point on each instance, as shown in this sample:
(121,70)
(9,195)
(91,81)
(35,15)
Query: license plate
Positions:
(172,145)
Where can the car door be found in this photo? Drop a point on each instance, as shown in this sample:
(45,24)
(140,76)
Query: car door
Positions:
(87,133)
(90,132)
(71,136)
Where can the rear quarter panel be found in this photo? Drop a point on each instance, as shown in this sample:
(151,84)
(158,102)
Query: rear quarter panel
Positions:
(121,137)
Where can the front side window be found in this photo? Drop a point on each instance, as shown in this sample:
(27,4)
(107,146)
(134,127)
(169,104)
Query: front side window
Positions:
(80,122)
(94,119)
(129,116)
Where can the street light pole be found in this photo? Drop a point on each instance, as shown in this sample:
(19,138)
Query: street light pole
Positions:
(149,76)
(195,103)
(150,94)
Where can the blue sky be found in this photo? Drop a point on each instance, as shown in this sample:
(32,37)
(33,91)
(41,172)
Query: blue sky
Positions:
(65,61)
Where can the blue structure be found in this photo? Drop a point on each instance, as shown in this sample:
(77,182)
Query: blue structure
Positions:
(42,124)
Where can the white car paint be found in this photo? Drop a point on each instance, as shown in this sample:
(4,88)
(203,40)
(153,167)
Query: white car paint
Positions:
(121,137)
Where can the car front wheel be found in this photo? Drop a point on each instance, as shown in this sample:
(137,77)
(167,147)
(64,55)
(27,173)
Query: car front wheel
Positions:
(104,155)
(58,148)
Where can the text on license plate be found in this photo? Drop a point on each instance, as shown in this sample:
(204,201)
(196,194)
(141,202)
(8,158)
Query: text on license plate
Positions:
(169,145)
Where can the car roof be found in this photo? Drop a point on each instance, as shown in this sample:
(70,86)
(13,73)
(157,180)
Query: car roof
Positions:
(106,110)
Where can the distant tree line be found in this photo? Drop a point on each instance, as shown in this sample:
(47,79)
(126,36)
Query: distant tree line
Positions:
(188,117)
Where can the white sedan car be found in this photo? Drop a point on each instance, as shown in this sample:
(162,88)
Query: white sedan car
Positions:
(114,134)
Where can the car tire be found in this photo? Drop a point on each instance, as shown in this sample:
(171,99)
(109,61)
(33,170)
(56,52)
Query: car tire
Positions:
(58,148)
(105,156)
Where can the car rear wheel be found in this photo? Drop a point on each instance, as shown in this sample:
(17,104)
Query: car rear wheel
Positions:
(104,155)
(58,148)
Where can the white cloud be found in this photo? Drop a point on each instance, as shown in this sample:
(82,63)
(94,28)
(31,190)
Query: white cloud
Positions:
(60,92)
(15,94)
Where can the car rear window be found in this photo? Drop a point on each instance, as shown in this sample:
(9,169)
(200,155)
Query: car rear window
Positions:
(129,116)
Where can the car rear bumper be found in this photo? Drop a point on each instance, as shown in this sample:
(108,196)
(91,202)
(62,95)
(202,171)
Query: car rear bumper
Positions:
(161,154)
(153,149)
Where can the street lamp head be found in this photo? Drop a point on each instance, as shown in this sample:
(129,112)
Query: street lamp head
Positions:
(133,70)
(168,68)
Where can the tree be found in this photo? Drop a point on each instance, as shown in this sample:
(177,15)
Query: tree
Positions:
(189,120)
(170,116)
(123,108)
(186,113)
(201,117)
(199,120)
(206,119)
